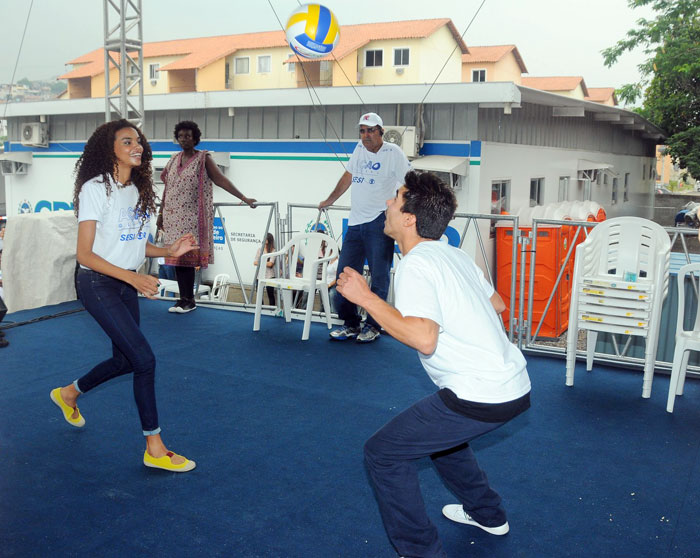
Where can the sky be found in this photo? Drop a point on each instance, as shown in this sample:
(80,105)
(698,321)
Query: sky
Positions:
(554,37)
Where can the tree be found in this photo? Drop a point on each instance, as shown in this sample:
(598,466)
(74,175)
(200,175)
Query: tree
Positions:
(670,77)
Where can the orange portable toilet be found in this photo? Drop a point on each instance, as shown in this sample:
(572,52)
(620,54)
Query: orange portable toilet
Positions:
(552,243)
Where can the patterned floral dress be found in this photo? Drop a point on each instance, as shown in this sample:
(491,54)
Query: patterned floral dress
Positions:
(188,207)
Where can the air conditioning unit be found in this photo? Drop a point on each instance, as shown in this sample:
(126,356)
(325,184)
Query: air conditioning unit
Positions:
(12,168)
(154,82)
(35,134)
(404,137)
(399,71)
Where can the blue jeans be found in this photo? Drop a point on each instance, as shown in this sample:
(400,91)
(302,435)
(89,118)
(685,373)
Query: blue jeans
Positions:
(366,241)
(115,306)
(428,428)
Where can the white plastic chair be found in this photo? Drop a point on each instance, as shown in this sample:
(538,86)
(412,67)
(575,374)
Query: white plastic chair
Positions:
(170,287)
(686,340)
(306,247)
(619,284)
(219,289)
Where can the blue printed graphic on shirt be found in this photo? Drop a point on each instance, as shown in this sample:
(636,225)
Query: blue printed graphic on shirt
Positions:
(130,224)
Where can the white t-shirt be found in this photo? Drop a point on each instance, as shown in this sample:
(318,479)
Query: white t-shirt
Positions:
(375,178)
(331,271)
(474,357)
(119,237)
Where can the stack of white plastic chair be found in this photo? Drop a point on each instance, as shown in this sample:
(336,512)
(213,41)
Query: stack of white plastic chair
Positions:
(620,282)
(219,288)
(306,248)
(686,340)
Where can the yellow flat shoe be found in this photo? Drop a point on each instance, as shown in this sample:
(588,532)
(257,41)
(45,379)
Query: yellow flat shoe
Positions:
(66,409)
(166,463)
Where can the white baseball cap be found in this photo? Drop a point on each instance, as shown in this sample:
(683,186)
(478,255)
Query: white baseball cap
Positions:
(370,119)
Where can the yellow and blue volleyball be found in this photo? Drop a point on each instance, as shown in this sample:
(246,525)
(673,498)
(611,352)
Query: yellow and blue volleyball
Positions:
(312,31)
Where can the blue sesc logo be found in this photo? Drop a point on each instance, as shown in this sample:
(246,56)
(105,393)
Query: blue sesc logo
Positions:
(25,207)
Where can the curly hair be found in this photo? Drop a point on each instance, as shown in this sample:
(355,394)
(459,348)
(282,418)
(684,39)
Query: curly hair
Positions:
(431,201)
(188,125)
(98,159)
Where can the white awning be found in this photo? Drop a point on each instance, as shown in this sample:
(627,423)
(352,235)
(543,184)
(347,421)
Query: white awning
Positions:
(584,164)
(442,163)
(17,156)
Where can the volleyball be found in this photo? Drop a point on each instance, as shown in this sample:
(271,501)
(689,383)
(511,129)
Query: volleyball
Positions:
(312,31)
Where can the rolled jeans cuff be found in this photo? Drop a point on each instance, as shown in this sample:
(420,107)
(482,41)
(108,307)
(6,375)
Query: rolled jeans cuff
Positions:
(151,432)
(75,385)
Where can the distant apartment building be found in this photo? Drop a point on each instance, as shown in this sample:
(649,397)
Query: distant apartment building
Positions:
(602,95)
(369,54)
(569,86)
(493,63)
(402,52)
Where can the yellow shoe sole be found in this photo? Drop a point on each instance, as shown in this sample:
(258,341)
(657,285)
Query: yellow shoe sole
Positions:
(66,409)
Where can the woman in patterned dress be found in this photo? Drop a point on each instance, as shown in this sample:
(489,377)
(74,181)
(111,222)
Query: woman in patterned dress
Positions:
(188,205)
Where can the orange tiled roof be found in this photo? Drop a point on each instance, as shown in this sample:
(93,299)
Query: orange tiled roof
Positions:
(203,51)
(353,37)
(555,83)
(601,94)
(490,54)
(92,63)
(211,49)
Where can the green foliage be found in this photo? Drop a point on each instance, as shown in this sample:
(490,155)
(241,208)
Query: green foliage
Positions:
(670,77)
(59,86)
(24,81)
(684,147)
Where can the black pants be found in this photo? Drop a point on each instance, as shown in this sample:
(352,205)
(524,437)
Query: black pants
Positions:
(185,281)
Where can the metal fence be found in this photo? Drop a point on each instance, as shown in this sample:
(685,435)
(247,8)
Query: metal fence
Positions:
(523,329)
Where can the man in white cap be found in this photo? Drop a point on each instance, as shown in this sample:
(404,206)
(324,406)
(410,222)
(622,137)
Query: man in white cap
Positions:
(376,170)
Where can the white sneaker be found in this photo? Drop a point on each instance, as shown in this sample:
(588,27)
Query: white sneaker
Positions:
(455,512)
(368,334)
(344,333)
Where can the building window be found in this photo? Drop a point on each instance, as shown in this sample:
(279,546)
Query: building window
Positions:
(241,65)
(500,196)
(563,189)
(605,178)
(291,66)
(644,172)
(536,191)
(227,73)
(613,198)
(264,64)
(400,57)
(374,58)
(626,192)
(154,71)
(599,177)
(478,75)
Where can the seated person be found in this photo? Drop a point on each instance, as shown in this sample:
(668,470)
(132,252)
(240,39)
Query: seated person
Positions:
(270,271)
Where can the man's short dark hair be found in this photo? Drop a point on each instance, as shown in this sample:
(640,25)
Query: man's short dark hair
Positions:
(431,201)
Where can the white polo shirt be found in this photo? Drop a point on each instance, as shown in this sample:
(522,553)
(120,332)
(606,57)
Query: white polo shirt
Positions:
(474,357)
(119,237)
(375,178)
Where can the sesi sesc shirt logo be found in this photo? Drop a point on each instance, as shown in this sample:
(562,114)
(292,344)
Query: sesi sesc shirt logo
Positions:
(130,225)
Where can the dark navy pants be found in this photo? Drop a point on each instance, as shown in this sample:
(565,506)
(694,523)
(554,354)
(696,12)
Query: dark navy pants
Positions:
(428,428)
(115,306)
(366,241)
